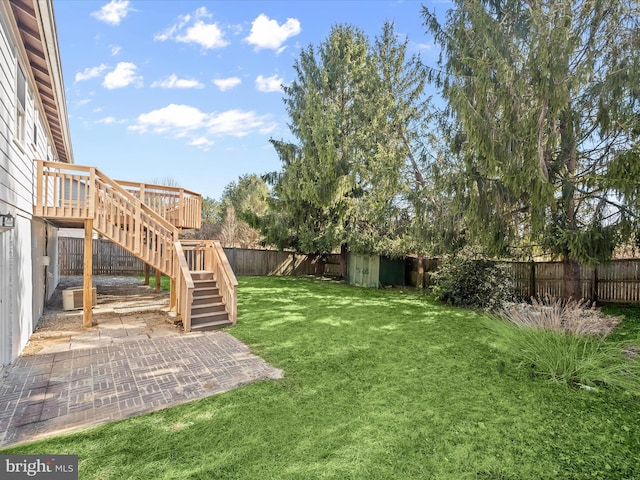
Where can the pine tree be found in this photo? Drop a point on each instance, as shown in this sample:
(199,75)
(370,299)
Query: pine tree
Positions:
(546,98)
(347,171)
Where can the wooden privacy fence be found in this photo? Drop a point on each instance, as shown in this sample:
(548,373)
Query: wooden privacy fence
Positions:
(615,281)
(108,258)
(272,262)
(111,259)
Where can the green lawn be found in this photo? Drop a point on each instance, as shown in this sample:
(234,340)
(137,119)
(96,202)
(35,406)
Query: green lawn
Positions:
(378,385)
(165,282)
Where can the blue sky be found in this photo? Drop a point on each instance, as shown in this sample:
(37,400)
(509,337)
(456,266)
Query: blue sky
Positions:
(191,90)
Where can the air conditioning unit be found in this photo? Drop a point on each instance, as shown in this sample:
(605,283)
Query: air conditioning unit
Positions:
(72,298)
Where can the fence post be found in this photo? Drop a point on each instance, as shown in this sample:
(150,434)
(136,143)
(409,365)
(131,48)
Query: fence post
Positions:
(532,280)
(594,285)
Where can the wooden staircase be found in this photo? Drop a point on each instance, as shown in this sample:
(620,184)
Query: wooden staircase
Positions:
(144,220)
(208,310)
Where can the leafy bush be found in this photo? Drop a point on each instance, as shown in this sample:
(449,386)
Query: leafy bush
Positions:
(570,358)
(469,282)
(560,315)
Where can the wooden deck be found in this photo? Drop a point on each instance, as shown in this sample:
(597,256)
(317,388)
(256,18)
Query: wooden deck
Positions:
(144,219)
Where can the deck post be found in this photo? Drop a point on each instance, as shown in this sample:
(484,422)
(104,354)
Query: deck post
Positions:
(87,298)
(158,279)
(146,274)
(40,198)
(172,294)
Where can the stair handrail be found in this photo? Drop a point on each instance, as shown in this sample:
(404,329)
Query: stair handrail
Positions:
(210,255)
(226,279)
(184,284)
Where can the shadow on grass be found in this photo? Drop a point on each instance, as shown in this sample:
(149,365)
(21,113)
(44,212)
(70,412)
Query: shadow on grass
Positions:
(378,385)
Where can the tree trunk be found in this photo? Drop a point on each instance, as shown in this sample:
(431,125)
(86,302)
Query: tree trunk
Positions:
(320,265)
(571,282)
(343,261)
(572,286)
(420,280)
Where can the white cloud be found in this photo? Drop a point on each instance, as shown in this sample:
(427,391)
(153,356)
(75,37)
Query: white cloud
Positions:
(122,76)
(269,84)
(266,33)
(424,46)
(227,83)
(201,142)
(172,81)
(90,72)
(207,35)
(237,123)
(268,128)
(107,120)
(113,12)
(235,29)
(195,28)
(115,50)
(172,118)
(184,121)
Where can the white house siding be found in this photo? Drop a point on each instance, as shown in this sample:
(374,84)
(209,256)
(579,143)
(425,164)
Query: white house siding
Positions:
(24,282)
(7,298)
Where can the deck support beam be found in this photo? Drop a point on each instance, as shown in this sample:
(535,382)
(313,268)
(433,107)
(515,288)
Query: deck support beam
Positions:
(87,297)
(158,280)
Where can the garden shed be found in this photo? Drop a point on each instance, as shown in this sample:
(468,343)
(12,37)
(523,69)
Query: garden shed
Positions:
(374,271)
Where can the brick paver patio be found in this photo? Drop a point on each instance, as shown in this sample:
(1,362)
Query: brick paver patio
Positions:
(119,368)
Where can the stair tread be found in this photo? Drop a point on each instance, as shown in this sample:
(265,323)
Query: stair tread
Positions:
(207,305)
(217,323)
(209,314)
(199,294)
(213,307)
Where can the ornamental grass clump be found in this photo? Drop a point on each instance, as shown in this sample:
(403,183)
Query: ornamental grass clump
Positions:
(564,341)
(558,315)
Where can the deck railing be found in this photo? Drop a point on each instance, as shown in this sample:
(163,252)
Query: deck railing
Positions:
(182,208)
(208,255)
(75,192)
(184,286)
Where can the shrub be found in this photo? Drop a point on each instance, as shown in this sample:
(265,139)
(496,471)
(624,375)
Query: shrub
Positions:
(570,358)
(469,282)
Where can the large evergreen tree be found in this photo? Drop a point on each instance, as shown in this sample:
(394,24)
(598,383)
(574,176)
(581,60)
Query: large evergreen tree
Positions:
(346,169)
(546,96)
